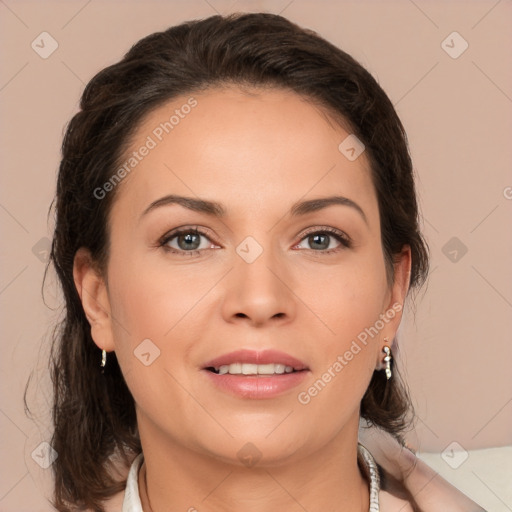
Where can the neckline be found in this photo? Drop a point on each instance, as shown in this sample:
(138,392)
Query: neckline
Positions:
(369,467)
(132,503)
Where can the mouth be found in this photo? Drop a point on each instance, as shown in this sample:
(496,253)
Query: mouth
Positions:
(256,375)
(255,363)
(248,374)
(248,369)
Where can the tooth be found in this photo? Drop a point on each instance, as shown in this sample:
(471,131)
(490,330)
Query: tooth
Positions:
(266,369)
(235,368)
(250,369)
(279,368)
(253,369)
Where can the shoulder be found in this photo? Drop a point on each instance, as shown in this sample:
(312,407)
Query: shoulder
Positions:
(390,503)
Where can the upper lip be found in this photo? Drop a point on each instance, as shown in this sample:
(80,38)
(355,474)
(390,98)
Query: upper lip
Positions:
(257,357)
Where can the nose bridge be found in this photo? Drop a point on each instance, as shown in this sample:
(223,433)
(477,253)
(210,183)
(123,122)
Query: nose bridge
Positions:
(257,288)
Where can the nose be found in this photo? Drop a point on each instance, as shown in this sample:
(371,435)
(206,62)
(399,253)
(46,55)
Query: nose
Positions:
(259,293)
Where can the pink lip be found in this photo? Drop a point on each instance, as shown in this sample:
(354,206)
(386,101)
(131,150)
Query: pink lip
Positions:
(254,357)
(256,386)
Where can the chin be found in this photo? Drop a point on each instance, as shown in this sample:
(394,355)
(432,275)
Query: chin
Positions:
(258,450)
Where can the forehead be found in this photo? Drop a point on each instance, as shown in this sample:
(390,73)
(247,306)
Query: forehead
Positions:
(254,147)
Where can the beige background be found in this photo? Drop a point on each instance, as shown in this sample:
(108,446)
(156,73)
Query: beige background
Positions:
(458,114)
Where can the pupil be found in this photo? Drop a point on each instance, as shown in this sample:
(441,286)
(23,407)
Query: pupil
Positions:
(189,242)
(316,239)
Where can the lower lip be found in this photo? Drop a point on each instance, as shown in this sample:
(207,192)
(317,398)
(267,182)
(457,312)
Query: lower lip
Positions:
(257,387)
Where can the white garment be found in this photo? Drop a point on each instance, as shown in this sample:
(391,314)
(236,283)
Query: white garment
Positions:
(132,502)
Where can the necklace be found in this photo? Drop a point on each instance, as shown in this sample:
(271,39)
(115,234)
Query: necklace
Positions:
(369,467)
(372,473)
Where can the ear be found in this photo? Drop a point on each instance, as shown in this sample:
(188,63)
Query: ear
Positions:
(394,302)
(93,293)
(402,276)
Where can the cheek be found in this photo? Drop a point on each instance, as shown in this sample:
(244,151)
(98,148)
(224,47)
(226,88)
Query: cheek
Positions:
(159,315)
(349,297)
(348,301)
(346,352)
(152,310)
(148,296)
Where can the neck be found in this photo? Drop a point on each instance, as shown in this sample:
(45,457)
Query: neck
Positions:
(176,478)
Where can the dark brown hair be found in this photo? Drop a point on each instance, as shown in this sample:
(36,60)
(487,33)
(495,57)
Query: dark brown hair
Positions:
(94,413)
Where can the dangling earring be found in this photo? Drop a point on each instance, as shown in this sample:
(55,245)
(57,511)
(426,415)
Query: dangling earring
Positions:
(387,359)
(103,358)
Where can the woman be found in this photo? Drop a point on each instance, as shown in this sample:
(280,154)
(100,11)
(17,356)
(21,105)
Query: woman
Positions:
(236,235)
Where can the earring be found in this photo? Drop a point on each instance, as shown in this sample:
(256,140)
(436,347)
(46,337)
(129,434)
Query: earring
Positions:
(103,358)
(387,359)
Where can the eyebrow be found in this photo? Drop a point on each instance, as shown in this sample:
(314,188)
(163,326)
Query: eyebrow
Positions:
(217,210)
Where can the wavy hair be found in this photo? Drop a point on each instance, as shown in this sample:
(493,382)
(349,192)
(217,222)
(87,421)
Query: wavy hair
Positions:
(95,426)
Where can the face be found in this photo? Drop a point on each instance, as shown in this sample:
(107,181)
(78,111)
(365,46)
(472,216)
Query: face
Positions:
(243,227)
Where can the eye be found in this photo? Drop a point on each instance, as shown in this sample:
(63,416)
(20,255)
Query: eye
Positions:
(193,241)
(186,241)
(325,240)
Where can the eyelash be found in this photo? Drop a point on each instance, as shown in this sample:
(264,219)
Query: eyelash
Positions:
(345,241)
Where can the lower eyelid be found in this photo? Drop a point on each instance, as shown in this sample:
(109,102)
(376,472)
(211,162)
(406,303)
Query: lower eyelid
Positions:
(340,237)
(343,240)
(167,239)
(342,244)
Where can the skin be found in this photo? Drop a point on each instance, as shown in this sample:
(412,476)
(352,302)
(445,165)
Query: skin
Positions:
(257,153)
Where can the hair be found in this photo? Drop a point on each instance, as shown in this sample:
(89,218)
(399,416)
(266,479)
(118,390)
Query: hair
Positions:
(93,413)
